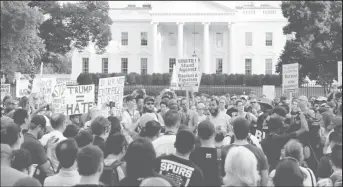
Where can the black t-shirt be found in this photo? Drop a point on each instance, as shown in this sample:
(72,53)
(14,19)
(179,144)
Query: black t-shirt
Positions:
(35,148)
(183,172)
(206,158)
(99,142)
(127,181)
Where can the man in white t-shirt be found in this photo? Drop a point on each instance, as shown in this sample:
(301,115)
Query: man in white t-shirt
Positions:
(164,145)
(149,113)
(130,115)
(220,119)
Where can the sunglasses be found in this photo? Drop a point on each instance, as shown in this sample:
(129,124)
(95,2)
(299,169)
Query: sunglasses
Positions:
(149,103)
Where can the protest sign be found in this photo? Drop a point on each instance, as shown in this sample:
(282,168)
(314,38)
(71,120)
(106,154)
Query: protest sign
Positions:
(22,88)
(269,91)
(188,74)
(59,98)
(79,99)
(44,88)
(339,64)
(174,85)
(290,78)
(5,90)
(111,90)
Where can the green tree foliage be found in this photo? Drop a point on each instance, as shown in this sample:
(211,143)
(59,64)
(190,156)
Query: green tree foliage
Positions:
(20,44)
(317,45)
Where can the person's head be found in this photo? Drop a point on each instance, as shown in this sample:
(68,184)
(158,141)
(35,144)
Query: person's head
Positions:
(173,105)
(115,125)
(10,105)
(59,122)
(184,142)
(337,123)
(140,159)
(75,119)
(130,102)
(336,156)
(302,101)
(21,160)
(5,99)
(24,103)
(327,118)
(184,104)
(241,167)
(335,139)
(165,98)
(149,103)
(101,127)
(240,105)
(241,128)
(200,109)
(116,145)
(206,131)
(71,131)
(66,152)
(288,173)
(214,107)
(172,119)
(279,112)
(21,117)
(163,106)
(11,135)
(294,149)
(151,130)
(139,101)
(27,182)
(294,105)
(6,155)
(155,182)
(222,103)
(84,138)
(89,161)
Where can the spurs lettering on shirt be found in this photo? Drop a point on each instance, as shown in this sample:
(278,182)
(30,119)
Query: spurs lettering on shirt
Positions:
(180,173)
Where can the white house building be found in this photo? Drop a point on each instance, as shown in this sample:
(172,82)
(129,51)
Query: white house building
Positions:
(148,39)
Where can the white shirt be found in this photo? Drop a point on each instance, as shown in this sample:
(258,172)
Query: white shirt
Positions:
(222,120)
(308,181)
(63,178)
(127,119)
(51,151)
(164,145)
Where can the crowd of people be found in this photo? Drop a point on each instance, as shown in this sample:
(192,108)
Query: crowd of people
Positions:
(228,140)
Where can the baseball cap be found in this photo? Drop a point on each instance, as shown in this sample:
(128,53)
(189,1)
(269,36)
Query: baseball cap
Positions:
(6,151)
(281,111)
(149,98)
(206,130)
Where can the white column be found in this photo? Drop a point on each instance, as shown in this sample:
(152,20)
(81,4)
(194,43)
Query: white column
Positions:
(231,63)
(180,40)
(207,59)
(154,67)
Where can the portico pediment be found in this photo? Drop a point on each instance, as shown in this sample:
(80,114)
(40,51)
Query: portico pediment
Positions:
(189,8)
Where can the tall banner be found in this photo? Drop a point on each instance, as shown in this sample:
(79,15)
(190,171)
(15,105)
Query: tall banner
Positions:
(111,91)
(339,64)
(59,98)
(290,78)
(44,88)
(79,99)
(5,90)
(22,88)
(174,85)
(188,74)
(269,91)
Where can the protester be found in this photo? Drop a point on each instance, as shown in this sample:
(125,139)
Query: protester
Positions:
(151,131)
(71,131)
(335,178)
(27,182)
(163,107)
(140,103)
(92,115)
(10,133)
(21,161)
(149,114)
(200,110)
(241,113)
(101,128)
(10,105)
(66,152)
(75,119)
(188,117)
(84,138)
(155,182)
(288,173)
(218,118)
(130,115)
(21,118)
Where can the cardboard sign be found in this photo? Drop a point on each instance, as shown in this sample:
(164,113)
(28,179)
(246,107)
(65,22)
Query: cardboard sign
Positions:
(174,84)
(188,74)
(5,90)
(339,64)
(290,78)
(269,91)
(111,90)
(22,88)
(59,98)
(79,99)
(44,88)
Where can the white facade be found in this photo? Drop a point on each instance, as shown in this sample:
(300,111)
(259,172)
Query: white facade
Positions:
(226,40)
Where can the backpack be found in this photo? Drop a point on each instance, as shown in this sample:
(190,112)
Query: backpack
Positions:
(110,176)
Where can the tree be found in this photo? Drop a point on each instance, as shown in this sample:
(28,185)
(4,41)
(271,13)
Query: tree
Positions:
(20,44)
(317,45)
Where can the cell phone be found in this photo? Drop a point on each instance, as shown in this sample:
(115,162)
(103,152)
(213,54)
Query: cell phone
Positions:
(112,104)
(47,107)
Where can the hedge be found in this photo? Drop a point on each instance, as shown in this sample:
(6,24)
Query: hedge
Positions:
(164,79)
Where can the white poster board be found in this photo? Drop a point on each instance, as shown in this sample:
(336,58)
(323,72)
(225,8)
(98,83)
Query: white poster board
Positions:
(111,90)
(79,99)
(188,74)
(174,85)
(339,64)
(5,90)
(44,88)
(59,98)
(290,78)
(22,88)
(269,91)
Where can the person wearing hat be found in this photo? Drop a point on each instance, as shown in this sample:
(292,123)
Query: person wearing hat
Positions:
(130,114)
(148,114)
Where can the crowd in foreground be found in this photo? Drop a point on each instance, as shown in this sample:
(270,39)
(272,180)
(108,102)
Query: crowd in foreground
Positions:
(169,141)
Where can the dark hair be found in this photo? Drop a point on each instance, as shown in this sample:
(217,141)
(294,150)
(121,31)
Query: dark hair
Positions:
(336,156)
(57,120)
(66,152)
(238,101)
(5,98)
(83,138)
(138,97)
(115,125)
(10,134)
(163,103)
(335,136)
(241,128)
(216,100)
(338,95)
(206,130)
(171,118)
(89,160)
(115,144)
(23,102)
(281,111)
(129,98)
(21,159)
(140,159)
(19,116)
(38,120)
(185,141)
(99,125)
(71,131)
(151,129)
(288,173)
(219,137)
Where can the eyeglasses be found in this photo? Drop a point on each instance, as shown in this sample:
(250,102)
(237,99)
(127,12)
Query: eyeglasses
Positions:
(149,103)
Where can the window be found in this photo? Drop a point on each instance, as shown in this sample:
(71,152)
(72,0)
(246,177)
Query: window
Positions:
(144,66)
(269,39)
(219,65)
(269,66)
(104,65)
(124,38)
(124,65)
(85,65)
(144,38)
(248,39)
(248,69)
(172,39)
(219,39)
(172,62)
